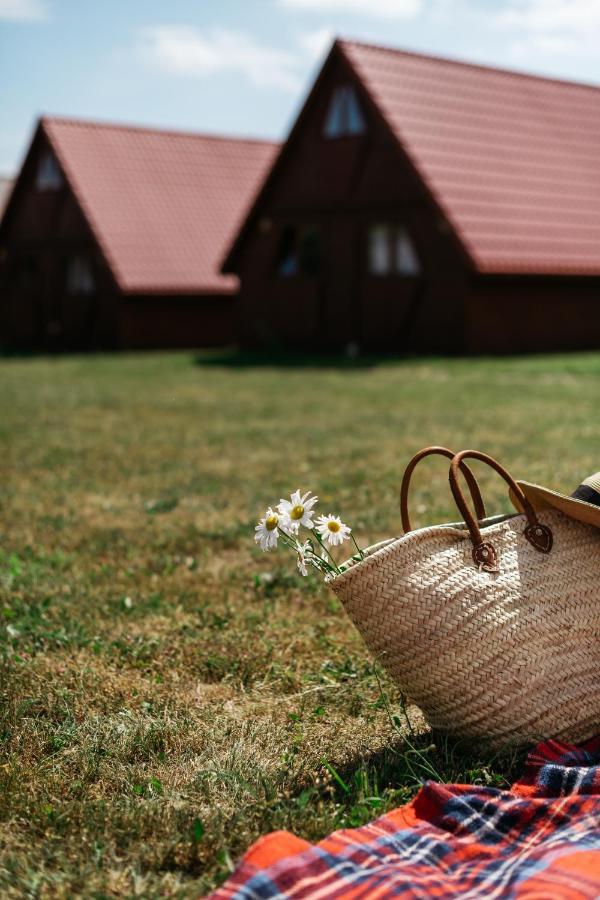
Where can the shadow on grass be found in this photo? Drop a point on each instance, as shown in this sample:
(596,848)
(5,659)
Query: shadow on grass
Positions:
(411,759)
(22,353)
(292,359)
(556,364)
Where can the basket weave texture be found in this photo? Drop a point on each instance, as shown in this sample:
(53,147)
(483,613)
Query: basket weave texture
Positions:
(512,656)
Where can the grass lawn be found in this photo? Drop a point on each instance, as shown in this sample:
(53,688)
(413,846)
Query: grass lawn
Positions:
(169,692)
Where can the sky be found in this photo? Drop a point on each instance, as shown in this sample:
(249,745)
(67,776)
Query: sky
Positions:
(244,66)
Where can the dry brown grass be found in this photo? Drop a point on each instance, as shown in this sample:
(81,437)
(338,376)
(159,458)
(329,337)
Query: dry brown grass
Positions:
(169,693)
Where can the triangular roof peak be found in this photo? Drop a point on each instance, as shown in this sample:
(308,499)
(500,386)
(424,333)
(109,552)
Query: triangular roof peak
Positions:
(162,205)
(509,158)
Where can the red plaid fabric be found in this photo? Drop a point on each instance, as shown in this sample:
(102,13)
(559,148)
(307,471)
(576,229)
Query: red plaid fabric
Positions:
(539,841)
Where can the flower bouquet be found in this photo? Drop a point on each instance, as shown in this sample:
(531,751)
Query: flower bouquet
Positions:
(318,550)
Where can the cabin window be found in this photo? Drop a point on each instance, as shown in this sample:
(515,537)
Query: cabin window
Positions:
(80,277)
(48,177)
(392,252)
(287,257)
(344,116)
(379,250)
(299,251)
(406,259)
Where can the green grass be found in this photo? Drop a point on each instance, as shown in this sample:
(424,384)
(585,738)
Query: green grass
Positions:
(169,693)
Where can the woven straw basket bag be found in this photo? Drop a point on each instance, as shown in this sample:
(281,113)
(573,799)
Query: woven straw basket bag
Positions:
(490,625)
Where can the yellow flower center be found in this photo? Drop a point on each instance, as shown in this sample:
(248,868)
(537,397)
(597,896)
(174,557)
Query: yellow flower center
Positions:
(271,522)
(333,526)
(297,512)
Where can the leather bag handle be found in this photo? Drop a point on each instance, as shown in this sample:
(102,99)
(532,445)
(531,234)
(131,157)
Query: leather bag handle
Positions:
(484,554)
(441,451)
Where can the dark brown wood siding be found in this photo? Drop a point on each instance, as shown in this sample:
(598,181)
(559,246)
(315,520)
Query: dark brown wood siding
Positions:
(510,314)
(41,233)
(172,322)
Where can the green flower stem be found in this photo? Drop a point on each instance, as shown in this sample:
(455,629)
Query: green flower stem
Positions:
(321,563)
(285,539)
(362,555)
(335,565)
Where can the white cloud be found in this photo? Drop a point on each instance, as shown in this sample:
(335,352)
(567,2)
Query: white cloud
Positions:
(552,26)
(553,15)
(316,43)
(380,9)
(189,51)
(23,10)
(184,50)
(547,44)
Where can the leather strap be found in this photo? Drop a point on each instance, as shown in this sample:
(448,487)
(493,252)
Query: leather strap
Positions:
(484,553)
(442,451)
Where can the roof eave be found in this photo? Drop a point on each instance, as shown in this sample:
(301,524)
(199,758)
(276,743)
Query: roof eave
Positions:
(175,291)
(525,270)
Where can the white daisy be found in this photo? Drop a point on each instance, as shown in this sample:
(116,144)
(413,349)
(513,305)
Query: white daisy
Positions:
(297,511)
(332,530)
(267,530)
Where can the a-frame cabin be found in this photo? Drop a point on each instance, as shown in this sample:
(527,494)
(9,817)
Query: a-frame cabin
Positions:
(421,204)
(113,237)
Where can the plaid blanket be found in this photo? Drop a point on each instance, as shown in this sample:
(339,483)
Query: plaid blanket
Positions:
(540,841)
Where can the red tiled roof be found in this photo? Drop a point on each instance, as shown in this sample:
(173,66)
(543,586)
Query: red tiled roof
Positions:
(164,206)
(513,160)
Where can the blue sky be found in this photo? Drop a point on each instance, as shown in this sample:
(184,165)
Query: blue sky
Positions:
(243,66)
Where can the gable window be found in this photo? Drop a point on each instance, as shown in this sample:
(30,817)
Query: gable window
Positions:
(344,116)
(48,176)
(299,251)
(392,252)
(80,278)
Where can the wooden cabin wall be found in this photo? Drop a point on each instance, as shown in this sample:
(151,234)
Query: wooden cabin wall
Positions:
(345,185)
(176,322)
(512,314)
